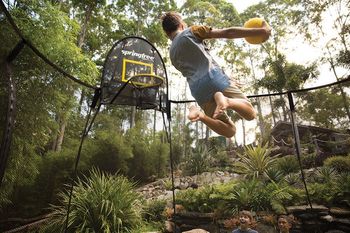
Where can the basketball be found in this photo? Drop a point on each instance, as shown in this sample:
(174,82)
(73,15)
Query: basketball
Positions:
(255,23)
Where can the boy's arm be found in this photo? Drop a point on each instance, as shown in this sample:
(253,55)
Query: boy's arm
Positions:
(240,32)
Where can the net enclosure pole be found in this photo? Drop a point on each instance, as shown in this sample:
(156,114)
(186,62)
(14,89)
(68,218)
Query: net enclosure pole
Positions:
(297,141)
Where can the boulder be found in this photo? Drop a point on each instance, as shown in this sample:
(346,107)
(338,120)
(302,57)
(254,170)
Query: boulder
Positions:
(339,211)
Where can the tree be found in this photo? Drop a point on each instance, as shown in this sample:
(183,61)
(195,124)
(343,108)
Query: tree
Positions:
(324,108)
(37,85)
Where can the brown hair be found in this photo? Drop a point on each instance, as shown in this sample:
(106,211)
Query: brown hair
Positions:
(250,216)
(287,218)
(247,213)
(171,21)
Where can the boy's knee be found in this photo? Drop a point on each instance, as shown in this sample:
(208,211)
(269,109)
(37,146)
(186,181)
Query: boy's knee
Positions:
(251,116)
(231,132)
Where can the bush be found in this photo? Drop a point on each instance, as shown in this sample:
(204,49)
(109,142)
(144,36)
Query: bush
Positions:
(104,203)
(343,185)
(255,161)
(288,164)
(198,161)
(339,163)
(154,211)
(322,193)
(308,161)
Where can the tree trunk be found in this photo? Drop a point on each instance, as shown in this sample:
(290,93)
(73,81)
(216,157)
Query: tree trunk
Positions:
(197,131)
(87,17)
(57,143)
(272,110)
(184,141)
(285,118)
(261,122)
(154,123)
(207,133)
(60,136)
(243,128)
(132,117)
(81,100)
(260,117)
(343,94)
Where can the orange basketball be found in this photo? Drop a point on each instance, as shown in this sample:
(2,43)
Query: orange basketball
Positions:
(254,23)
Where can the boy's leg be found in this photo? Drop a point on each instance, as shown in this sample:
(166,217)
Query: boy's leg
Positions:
(226,129)
(241,105)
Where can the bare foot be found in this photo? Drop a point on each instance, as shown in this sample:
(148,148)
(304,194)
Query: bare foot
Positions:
(195,113)
(221,104)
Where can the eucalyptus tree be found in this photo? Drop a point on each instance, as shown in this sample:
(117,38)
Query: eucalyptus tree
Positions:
(324,108)
(40,90)
(317,20)
(280,75)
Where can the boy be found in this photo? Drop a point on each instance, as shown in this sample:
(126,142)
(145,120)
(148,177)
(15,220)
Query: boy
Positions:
(209,85)
(284,224)
(245,222)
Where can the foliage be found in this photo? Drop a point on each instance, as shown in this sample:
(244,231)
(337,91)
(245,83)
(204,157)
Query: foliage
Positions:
(154,210)
(287,164)
(100,202)
(308,160)
(274,174)
(293,179)
(255,161)
(338,163)
(77,35)
(322,193)
(324,107)
(197,199)
(343,184)
(198,161)
(326,175)
(149,155)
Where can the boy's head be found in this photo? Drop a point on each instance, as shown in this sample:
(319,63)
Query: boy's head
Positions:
(171,22)
(245,219)
(284,223)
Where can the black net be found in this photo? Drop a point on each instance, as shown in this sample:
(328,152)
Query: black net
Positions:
(134,58)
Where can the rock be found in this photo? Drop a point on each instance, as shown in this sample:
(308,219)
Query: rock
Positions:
(335,231)
(339,211)
(196,231)
(327,218)
(317,208)
(297,209)
(344,221)
(169,226)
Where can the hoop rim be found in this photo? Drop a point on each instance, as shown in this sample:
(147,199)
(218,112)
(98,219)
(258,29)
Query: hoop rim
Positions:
(146,85)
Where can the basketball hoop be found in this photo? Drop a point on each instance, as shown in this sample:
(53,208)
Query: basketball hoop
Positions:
(141,81)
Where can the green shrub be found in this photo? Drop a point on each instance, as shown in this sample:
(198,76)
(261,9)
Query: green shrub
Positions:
(343,185)
(308,160)
(221,159)
(198,161)
(102,203)
(339,163)
(154,211)
(255,161)
(197,199)
(288,164)
(325,174)
(322,193)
